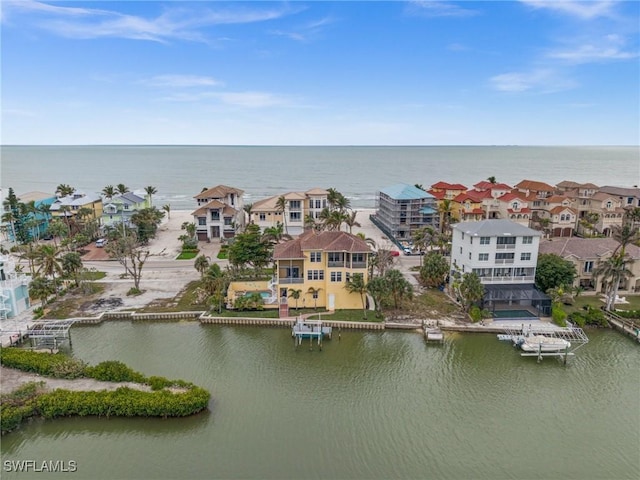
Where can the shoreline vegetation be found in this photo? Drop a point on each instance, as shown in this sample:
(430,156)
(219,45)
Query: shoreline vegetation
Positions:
(51,385)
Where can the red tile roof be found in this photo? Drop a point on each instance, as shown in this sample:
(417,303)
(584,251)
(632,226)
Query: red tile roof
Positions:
(560,209)
(220,191)
(448,186)
(325,241)
(438,195)
(535,186)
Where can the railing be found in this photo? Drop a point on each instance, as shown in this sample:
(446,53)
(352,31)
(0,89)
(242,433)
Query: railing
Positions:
(336,264)
(506,245)
(291,280)
(504,260)
(358,264)
(507,279)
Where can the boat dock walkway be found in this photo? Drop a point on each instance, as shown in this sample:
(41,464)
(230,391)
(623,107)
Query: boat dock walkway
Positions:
(623,325)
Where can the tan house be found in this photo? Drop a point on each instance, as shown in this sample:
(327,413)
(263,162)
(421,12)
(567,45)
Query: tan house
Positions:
(609,210)
(586,253)
(220,213)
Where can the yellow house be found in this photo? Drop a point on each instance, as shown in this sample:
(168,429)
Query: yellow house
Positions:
(70,205)
(314,267)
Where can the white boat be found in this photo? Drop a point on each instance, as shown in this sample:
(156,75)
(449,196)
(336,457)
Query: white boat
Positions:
(433,334)
(542,343)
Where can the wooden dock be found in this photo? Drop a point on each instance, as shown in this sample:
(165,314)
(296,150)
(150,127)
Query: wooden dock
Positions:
(628,327)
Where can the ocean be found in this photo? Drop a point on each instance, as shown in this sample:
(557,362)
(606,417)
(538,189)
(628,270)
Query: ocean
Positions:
(359,172)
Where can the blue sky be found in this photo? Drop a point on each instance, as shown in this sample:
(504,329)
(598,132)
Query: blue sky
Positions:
(530,72)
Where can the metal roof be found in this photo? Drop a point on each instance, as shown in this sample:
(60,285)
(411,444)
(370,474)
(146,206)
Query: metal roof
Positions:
(496,228)
(403,191)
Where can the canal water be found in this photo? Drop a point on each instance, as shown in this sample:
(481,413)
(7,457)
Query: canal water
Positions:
(371,405)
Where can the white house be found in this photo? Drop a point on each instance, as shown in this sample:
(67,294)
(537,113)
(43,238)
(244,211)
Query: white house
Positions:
(220,212)
(14,289)
(504,255)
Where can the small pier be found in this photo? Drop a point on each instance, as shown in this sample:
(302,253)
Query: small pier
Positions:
(432,332)
(47,334)
(311,329)
(628,327)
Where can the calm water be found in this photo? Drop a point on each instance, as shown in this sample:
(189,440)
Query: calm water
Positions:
(179,173)
(372,406)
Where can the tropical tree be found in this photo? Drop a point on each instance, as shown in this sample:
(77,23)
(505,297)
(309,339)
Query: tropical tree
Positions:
(368,240)
(422,239)
(201,264)
(249,248)
(314,294)
(57,228)
(131,255)
(357,285)
(380,262)
(614,270)
(121,189)
(399,288)
(492,180)
(471,290)
(295,294)
(10,218)
(350,220)
(150,191)
(445,209)
(552,271)
(72,265)
(434,270)
(64,190)
(147,221)
(41,288)
(625,235)
(31,254)
(281,205)
(48,262)
(275,234)
(379,290)
(109,191)
(248,209)
(167,208)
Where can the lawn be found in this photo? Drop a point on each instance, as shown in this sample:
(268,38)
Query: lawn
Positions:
(187,255)
(595,301)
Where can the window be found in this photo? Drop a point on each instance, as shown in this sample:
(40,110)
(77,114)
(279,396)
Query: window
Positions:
(315,274)
(262,217)
(202,221)
(525,256)
(527,240)
(460,249)
(295,216)
(227,221)
(504,256)
(506,240)
(315,257)
(588,266)
(215,215)
(485,240)
(315,294)
(126,206)
(294,205)
(336,276)
(334,257)
(463,235)
(483,257)
(357,257)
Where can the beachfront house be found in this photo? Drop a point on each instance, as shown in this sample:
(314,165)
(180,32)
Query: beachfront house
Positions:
(503,254)
(69,206)
(291,210)
(489,193)
(119,209)
(587,253)
(314,267)
(220,213)
(14,289)
(36,218)
(402,209)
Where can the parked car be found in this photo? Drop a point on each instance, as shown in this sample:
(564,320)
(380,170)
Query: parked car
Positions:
(101,242)
(395,253)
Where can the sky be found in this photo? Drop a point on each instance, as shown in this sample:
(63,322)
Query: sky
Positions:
(530,72)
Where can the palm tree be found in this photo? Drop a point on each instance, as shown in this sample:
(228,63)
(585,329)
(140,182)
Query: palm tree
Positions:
(65,210)
(295,294)
(121,189)
(350,220)
(167,208)
(422,238)
(625,235)
(281,205)
(314,294)
(201,264)
(48,262)
(10,218)
(41,288)
(399,287)
(614,271)
(248,209)
(356,285)
(379,289)
(275,234)
(471,290)
(151,191)
(109,191)
(492,180)
(444,208)
(369,241)
(71,265)
(64,190)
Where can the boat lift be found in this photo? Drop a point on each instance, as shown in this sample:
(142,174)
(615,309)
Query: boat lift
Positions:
(311,329)
(574,335)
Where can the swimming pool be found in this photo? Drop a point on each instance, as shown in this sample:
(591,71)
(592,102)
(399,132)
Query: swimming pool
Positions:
(263,294)
(501,314)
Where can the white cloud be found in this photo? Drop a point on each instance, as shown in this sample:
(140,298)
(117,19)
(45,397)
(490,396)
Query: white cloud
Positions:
(585,10)
(426,8)
(181,81)
(538,81)
(249,99)
(305,32)
(592,53)
(176,22)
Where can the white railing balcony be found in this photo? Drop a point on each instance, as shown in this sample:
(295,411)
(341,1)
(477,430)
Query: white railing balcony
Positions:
(502,261)
(503,246)
(291,280)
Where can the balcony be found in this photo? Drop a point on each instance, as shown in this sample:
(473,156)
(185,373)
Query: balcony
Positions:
(359,265)
(336,264)
(504,260)
(507,246)
(289,280)
(508,279)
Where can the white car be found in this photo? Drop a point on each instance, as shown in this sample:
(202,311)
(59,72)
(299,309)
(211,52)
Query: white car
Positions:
(101,242)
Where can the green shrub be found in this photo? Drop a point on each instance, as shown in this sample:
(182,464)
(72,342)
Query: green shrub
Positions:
(52,365)
(114,371)
(632,314)
(558,315)
(18,405)
(158,383)
(475,313)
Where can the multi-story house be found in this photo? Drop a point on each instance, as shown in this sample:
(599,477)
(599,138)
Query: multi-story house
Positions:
(450,190)
(629,197)
(220,213)
(560,214)
(315,265)
(587,253)
(14,289)
(36,220)
(70,205)
(535,192)
(514,206)
(580,193)
(402,209)
(469,205)
(490,193)
(504,255)
(119,209)
(292,211)
(609,211)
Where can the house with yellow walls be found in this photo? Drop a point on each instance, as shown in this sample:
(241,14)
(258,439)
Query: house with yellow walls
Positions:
(70,205)
(315,267)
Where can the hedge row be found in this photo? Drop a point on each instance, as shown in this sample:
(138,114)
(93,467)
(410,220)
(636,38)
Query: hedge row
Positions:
(29,401)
